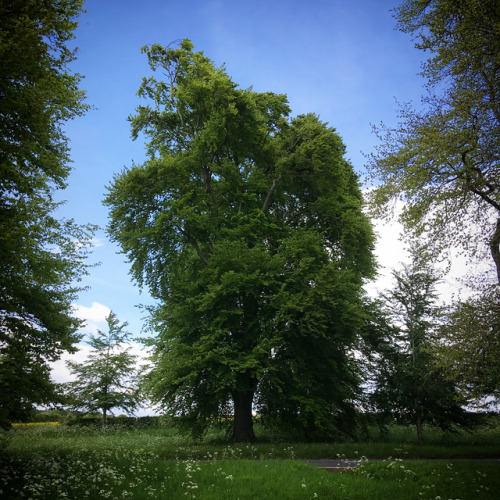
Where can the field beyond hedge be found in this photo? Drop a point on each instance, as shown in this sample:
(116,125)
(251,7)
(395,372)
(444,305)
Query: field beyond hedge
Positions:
(56,462)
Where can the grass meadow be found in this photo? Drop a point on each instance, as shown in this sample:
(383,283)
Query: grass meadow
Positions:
(58,462)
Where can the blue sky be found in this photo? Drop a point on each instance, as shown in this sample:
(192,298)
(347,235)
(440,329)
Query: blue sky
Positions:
(341,60)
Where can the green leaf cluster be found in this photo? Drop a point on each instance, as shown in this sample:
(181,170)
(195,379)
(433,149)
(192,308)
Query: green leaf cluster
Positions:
(467,346)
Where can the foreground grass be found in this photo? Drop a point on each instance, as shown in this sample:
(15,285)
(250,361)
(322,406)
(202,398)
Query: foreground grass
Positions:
(44,462)
(138,475)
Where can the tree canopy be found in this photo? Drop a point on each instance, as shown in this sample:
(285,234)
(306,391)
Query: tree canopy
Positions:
(248,227)
(444,161)
(41,258)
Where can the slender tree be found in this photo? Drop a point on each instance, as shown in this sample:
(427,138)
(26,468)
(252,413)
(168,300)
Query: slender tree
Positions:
(409,386)
(247,226)
(41,258)
(108,378)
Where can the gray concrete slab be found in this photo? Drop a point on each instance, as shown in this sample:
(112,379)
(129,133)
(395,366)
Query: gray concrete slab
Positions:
(336,464)
(345,463)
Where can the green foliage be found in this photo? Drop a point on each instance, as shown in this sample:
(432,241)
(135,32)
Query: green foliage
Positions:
(40,257)
(247,226)
(24,382)
(409,386)
(107,379)
(444,162)
(467,346)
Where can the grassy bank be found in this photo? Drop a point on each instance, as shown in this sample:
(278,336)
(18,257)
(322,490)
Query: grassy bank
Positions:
(55,462)
(397,442)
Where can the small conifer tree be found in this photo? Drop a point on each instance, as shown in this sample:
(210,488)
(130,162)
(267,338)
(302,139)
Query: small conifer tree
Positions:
(108,378)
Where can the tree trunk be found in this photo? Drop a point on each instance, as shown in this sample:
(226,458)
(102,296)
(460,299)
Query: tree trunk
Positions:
(495,248)
(243,419)
(418,422)
(420,435)
(104,416)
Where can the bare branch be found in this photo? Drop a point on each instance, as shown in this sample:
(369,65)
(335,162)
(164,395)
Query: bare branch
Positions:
(194,243)
(207,177)
(268,200)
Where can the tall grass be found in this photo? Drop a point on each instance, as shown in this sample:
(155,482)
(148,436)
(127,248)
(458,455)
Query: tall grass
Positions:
(49,462)
(137,475)
(398,442)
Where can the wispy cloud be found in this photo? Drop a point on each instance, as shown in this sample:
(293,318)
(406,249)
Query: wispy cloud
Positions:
(97,242)
(61,374)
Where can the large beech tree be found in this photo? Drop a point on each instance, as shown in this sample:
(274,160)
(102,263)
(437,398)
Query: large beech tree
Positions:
(247,226)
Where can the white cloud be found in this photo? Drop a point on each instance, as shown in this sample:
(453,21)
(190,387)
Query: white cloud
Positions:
(94,316)
(61,374)
(88,244)
(96,312)
(391,252)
